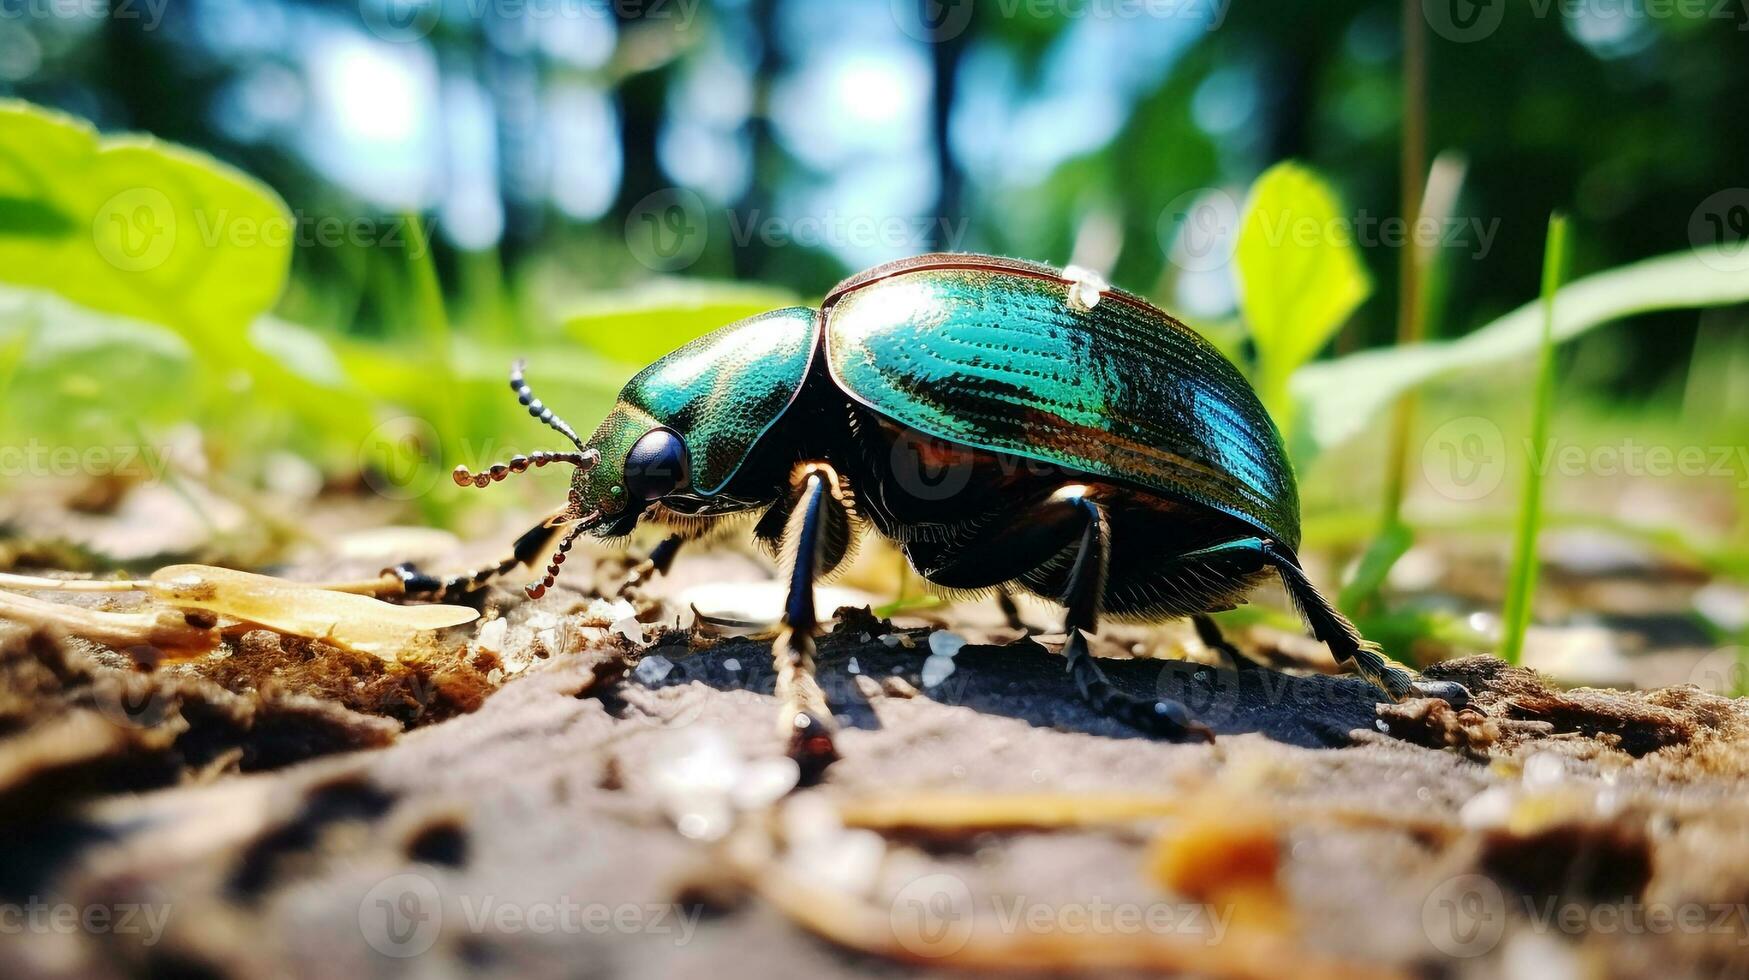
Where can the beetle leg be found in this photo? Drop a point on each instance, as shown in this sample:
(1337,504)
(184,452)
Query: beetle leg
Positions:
(415,584)
(1210,634)
(1158,716)
(1011,611)
(820,514)
(1327,624)
(660,559)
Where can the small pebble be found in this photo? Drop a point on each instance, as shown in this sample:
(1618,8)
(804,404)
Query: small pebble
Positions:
(630,628)
(1543,770)
(763,782)
(854,667)
(945,644)
(936,668)
(491,636)
(731,664)
(652,669)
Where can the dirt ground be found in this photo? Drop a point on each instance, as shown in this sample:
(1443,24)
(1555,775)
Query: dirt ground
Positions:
(574,793)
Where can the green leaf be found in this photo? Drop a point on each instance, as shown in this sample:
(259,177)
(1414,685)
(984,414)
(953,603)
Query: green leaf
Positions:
(70,371)
(635,328)
(1337,398)
(1375,564)
(1299,275)
(136,227)
(1521,586)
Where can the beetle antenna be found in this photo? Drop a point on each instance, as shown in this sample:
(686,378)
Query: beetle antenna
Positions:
(537,589)
(525,395)
(497,471)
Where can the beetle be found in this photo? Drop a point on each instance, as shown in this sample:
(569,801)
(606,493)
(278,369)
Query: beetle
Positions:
(1006,424)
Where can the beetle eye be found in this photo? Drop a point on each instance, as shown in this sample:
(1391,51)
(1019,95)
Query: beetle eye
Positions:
(658,465)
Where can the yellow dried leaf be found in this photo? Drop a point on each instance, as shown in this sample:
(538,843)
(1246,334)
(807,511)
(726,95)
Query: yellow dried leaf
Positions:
(353,621)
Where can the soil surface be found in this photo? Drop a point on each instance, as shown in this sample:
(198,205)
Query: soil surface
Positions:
(562,790)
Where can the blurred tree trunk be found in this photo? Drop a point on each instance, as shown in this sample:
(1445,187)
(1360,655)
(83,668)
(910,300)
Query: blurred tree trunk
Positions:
(949,206)
(767,163)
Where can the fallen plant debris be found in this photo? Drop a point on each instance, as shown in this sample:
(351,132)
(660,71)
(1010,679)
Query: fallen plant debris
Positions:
(588,756)
(205,593)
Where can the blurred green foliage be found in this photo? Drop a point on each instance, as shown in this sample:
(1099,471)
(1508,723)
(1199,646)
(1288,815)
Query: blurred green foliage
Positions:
(1300,277)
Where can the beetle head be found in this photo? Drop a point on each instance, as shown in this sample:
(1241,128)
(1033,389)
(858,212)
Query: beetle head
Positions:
(630,462)
(642,461)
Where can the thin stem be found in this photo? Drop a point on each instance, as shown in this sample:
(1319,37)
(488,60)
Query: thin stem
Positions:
(1521,587)
(1412,175)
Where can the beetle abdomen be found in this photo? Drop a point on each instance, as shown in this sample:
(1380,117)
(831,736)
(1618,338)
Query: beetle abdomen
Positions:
(991,353)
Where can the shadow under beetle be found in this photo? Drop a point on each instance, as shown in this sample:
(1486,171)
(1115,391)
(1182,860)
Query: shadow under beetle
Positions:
(1004,423)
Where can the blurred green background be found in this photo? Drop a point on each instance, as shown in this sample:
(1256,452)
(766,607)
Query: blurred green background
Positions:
(382,203)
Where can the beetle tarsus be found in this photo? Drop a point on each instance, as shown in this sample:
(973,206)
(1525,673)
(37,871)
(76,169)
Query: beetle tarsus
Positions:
(1083,596)
(1161,717)
(811,746)
(1451,692)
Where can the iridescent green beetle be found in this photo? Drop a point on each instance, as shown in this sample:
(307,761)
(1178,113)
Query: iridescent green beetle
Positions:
(1004,423)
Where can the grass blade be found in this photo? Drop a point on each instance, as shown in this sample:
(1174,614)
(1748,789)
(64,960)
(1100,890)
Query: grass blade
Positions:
(1521,588)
